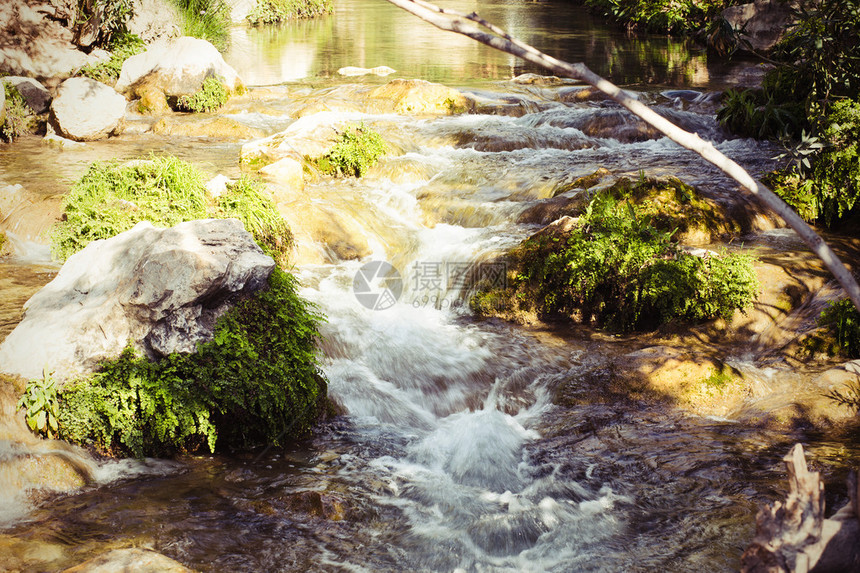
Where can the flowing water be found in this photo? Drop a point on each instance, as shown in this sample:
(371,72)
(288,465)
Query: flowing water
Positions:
(451,454)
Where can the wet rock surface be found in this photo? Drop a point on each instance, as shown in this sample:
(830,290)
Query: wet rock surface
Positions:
(159,289)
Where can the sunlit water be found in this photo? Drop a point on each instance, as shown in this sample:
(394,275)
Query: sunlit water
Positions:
(450,454)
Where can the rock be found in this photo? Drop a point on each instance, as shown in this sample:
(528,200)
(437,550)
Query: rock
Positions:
(87,110)
(217,186)
(159,289)
(239,9)
(419,96)
(35,44)
(312,136)
(546,211)
(287,171)
(152,101)
(763,22)
(176,67)
(132,559)
(154,19)
(216,128)
(377,71)
(35,94)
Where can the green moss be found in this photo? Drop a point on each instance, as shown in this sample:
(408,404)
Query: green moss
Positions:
(358,149)
(257,382)
(113,197)
(122,47)
(672,205)
(614,268)
(274,11)
(211,96)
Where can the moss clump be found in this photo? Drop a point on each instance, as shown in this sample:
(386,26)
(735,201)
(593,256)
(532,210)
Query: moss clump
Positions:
(614,268)
(672,205)
(113,197)
(358,149)
(19,117)
(274,11)
(122,47)
(257,382)
(211,96)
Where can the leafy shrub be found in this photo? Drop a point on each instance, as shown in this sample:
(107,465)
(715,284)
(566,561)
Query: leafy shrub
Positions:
(274,11)
(614,268)
(40,405)
(245,200)
(358,149)
(664,16)
(211,96)
(821,54)
(759,114)
(18,114)
(257,382)
(122,47)
(113,197)
(208,20)
(844,320)
(825,185)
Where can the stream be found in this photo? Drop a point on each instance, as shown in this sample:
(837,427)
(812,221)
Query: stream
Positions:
(451,454)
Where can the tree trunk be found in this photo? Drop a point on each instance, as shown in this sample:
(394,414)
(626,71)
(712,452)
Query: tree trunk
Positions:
(451,21)
(794,537)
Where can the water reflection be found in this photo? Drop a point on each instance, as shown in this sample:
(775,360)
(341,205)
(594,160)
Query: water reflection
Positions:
(369,33)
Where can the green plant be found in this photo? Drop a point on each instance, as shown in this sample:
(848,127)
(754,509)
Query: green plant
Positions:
(40,405)
(823,181)
(616,269)
(111,17)
(208,20)
(358,149)
(211,96)
(112,197)
(18,114)
(760,114)
(664,16)
(821,55)
(257,382)
(122,47)
(274,11)
(844,320)
(245,200)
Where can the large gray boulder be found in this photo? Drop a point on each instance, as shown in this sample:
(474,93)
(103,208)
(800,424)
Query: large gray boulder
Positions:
(35,94)
(86,110)
(177,67)
(159,289)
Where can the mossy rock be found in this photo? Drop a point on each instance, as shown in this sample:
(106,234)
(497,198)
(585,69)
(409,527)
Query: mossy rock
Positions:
(613,267)
(672,205)
(257,382)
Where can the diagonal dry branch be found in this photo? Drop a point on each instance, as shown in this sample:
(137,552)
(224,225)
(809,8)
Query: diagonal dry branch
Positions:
(495,37)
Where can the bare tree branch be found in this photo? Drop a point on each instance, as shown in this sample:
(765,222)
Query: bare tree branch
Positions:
(452,21)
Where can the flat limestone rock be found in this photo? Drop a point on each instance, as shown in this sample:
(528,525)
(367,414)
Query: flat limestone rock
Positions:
(159,289)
